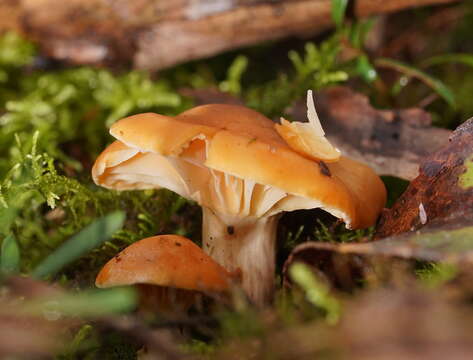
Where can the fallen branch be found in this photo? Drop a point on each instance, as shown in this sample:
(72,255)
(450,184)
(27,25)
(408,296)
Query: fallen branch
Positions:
(154,34)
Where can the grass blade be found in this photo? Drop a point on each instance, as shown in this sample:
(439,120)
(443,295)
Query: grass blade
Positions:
(92,303)
(339,8)
(465,59)
(439,87)
(87,239)
(316,291)
(365,69)
(10,256)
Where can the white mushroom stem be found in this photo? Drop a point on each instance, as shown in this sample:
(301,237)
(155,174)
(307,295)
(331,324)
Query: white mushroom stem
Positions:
(246,245)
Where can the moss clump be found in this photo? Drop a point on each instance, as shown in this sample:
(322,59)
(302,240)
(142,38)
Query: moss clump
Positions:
(53,124)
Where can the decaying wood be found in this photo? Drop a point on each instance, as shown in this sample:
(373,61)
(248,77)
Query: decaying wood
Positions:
(441,194)
(392,142)
(155,34)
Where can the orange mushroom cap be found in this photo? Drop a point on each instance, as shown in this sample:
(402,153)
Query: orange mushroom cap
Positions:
(231,159)
(167,261)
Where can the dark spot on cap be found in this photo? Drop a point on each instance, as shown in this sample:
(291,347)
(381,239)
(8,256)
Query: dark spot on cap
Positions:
(324,169)
(177,243)
(230,230)
(118,258)
(121,132)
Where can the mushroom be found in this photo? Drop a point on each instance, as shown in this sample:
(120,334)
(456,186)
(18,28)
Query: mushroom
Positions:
(235,164)
(168,270)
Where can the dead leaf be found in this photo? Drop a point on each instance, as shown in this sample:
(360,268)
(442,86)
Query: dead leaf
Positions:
(335,260)
(442,194)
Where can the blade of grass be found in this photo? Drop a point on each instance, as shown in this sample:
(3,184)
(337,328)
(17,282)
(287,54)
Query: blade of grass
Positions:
(234,74)
(10,256)
(91,303)
(465,59)
(87,239)
(365,69)
(435,84)
(339,8)
(316,291)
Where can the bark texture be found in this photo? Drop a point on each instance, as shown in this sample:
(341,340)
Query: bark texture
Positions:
(155,34)
(442,194)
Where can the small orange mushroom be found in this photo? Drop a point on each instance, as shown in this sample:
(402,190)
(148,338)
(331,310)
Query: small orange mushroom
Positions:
(168,270)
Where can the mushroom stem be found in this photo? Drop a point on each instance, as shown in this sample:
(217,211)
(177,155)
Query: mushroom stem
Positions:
(246,245)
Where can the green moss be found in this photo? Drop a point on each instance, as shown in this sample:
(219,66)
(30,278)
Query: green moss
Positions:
(201,348)
(240,324)
(53,125)
(316,68)
(433,275)
(316,291)
(339,233)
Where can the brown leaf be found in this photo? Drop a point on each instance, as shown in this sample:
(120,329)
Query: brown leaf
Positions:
(341,262)
(442,194)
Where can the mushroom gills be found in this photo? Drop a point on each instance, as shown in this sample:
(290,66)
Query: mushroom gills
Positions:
(248,208)
(225,193)
(168,300)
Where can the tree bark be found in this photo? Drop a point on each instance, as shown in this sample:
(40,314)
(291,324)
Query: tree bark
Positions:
(155,34)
